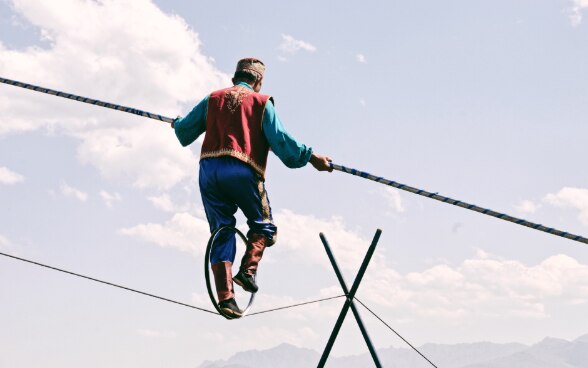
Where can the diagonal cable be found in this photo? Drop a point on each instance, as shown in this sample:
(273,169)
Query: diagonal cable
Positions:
(397,334)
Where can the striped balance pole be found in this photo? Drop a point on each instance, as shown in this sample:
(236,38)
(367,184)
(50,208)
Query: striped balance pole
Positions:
(461,204)
(391,183)
(91,101)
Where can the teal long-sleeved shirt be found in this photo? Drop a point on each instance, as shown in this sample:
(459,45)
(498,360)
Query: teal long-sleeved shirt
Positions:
(292,153)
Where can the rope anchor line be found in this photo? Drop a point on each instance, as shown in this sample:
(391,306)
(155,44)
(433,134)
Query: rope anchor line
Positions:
(467,206)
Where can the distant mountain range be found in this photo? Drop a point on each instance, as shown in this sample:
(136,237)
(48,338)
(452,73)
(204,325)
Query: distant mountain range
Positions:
(549,353)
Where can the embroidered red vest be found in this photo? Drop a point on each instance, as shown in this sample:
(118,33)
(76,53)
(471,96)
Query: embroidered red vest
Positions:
(233,127)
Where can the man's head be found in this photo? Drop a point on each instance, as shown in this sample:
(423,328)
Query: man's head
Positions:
(250,71)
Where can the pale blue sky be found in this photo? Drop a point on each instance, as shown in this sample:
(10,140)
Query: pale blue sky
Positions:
(486,102)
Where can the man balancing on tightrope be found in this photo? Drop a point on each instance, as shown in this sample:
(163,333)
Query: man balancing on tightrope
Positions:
(241,127)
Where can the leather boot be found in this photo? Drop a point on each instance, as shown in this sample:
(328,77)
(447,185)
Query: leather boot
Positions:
(224,289)
(223,280)
(246,275)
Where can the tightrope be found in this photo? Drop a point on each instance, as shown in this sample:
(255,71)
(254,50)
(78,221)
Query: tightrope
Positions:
(159,297)
(204,309)
(296,305)
(87,100)
(106,283)
(462,204)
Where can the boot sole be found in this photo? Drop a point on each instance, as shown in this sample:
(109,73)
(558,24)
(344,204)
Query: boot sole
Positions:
(231,313)
(240,283)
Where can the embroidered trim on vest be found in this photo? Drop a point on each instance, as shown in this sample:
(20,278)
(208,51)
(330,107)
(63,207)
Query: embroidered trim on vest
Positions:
(235,96)
(236,154)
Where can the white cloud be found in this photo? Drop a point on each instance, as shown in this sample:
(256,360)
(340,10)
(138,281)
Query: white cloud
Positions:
(9,246)
(576,10)
(527,207)
(9,177)
(183,232)
(361,58)
(186,202)
(290,45)
(109,199)
(480,287)
(362,102)
(479,290)
(12,247)
(163,202)
(72,192)
(296,233)
(4,243)
(130,53)
(393,198)
(576,198)
(142,155)
(299,234)
(156,334)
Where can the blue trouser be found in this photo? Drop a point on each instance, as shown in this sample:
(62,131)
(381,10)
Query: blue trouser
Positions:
(227,184)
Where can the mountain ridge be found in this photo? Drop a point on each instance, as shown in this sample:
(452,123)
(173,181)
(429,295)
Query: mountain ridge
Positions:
(548,353)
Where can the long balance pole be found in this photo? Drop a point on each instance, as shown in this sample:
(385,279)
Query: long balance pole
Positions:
(461,204)
(378,179)
(91,101)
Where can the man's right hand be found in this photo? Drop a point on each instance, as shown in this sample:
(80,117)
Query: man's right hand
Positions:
(321,163)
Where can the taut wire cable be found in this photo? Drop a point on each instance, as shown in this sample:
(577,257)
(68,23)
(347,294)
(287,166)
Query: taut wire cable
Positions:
(297,305)
(397,334)
(106,283)
(159,297)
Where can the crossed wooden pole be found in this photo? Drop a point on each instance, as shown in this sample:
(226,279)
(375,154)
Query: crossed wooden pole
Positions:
(349,301)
